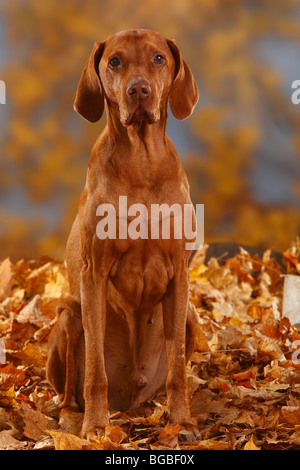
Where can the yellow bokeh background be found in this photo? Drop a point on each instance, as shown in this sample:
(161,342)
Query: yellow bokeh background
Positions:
(229,147)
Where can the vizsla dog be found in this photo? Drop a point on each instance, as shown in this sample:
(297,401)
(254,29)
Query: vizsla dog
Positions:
(127,329)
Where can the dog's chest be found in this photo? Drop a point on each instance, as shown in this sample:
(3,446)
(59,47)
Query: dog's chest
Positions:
(140,281)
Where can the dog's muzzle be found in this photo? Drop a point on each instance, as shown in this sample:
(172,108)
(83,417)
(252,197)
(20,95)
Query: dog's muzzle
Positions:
(139,101)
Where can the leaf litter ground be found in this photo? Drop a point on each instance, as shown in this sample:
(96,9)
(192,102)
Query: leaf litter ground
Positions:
(244,376)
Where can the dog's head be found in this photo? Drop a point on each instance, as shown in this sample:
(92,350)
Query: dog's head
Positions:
(137,72)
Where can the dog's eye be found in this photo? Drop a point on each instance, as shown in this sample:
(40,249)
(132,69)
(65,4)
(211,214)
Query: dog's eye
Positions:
(114,62)
(159,59)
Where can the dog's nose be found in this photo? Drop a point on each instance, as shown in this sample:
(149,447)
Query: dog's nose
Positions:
(139,89)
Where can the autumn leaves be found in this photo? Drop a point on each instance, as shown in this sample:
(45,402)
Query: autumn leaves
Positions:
(244,386)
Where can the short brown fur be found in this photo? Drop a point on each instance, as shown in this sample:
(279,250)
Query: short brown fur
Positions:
(128,328)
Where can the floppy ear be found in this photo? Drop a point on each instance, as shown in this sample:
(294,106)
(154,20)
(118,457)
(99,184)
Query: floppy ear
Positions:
(89,101)
(184,93)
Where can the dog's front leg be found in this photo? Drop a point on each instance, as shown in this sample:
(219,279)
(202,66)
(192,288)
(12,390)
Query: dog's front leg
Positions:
(93,303)
(175,305)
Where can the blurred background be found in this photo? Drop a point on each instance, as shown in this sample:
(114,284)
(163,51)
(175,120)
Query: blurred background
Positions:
(240,148)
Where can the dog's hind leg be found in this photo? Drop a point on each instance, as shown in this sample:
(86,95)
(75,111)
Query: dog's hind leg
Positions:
(62,364)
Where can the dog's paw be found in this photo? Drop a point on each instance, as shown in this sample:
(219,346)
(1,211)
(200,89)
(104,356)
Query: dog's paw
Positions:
(93,429)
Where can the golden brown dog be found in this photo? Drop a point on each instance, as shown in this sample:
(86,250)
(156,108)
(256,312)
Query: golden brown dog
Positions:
(128,327)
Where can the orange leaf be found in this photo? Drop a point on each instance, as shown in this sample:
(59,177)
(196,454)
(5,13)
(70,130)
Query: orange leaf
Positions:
(115,433)
(250,445)
(66,441)
(291,259)
(10,375)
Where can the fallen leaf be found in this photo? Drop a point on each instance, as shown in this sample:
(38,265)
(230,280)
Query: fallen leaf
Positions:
(115,433)
(269,350)
(36,423)
(291,414)
(66,441)
(250,445)
(207,444)
(31,312)
(242,378)
(105,443)
(10,376)
(169,435)
(8,442)
(295,437)
(31,356)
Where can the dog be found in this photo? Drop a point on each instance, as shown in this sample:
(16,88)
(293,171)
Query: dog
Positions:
(127,328)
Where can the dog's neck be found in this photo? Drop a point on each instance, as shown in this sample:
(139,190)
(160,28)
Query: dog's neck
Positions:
(136,153)
(141,136)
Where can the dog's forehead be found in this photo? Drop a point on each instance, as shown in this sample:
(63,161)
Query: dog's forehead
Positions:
(136,38)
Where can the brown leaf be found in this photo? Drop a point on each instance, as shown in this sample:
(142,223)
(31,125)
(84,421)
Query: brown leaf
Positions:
(70,421)
(295,437)
(31,312)
(66,441)
(10,376)
(8,442)
(105,443)
(169,435)
(207,444)
(115,433)
(21,332)
(291,414)
(31,356)
(36,423)
(268,350)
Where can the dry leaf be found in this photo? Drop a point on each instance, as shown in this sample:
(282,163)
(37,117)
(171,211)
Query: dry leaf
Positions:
(8,442)
(250,445)
(31,356)
(36,423)
(241,378)
(31,312)
(66,441)
(207,444)
(70,421)
(115,433)
(105,443)
(169,435)
(10,376)
(291,414)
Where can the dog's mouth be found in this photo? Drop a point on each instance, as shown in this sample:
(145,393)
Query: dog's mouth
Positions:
(139,115)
